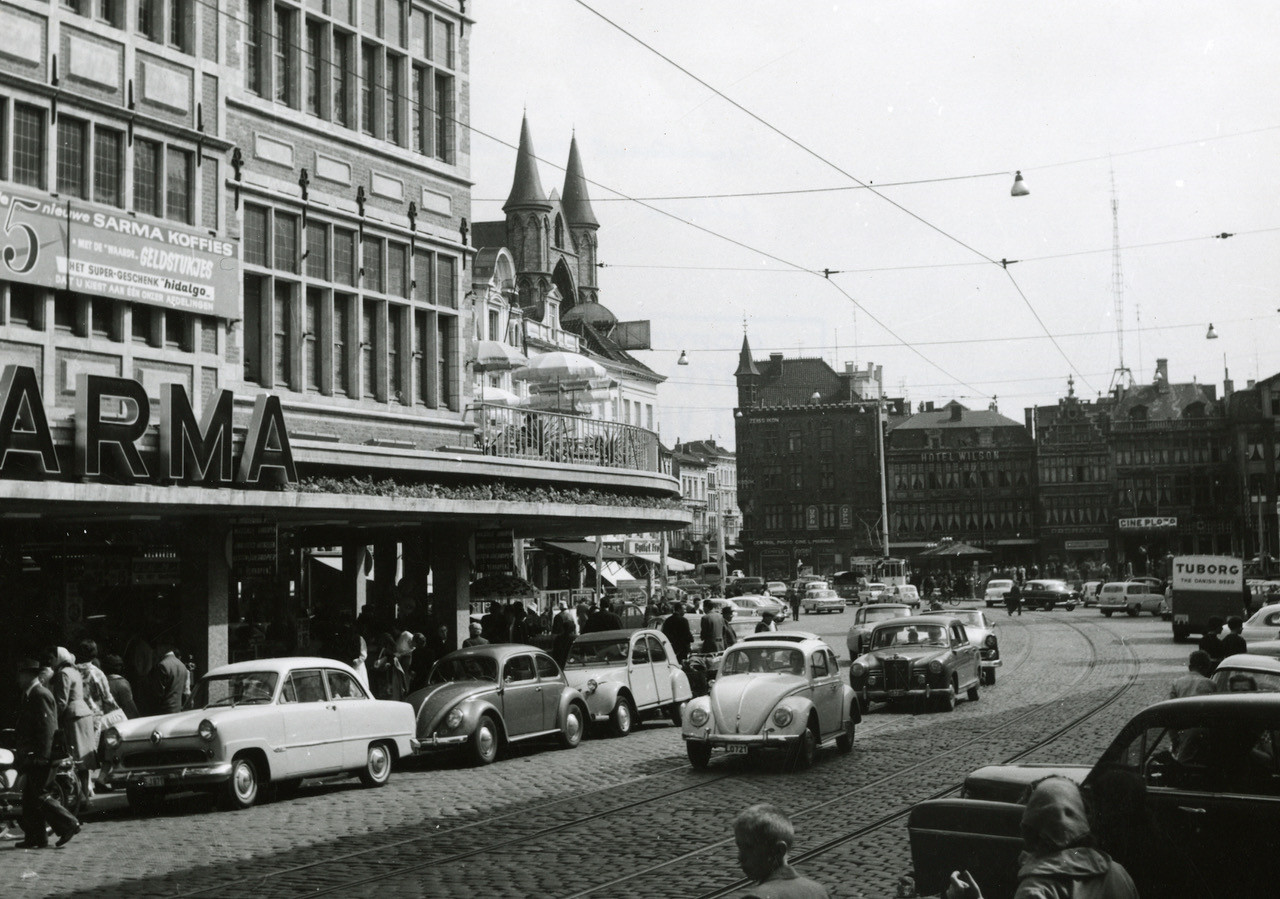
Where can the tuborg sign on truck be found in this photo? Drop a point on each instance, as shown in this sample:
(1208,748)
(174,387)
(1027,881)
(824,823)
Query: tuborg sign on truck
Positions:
(1205,587)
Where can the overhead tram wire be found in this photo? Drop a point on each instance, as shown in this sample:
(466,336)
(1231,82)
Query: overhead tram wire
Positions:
(358,79)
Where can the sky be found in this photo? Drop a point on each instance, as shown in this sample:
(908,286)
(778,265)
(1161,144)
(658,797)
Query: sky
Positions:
(1179,103)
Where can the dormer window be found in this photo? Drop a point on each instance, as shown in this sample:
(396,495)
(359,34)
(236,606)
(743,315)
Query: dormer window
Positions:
(1138,413)
(1193,410)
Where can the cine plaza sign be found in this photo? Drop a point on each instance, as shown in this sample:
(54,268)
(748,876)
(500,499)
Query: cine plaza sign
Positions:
(1154,523)
(190,451)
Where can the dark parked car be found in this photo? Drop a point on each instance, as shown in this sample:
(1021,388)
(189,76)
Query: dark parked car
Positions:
(745,586)
(1049,594)
(926,658)
(1211,770)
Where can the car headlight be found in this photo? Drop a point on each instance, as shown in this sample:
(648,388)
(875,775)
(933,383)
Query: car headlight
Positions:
(206,730)
(112,737)
(990,642)
(592,686)
(857,669)
(782,717)
(453,719)
(935,667)
(699,717)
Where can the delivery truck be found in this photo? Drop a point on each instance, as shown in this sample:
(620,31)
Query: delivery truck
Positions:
(1205,587)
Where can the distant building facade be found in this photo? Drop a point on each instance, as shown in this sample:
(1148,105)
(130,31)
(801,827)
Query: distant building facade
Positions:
(722,490)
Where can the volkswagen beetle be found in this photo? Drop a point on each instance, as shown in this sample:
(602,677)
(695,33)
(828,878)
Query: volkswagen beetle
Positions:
(627,674)
(928,658)
(776,690)
(269,721)
(482,697)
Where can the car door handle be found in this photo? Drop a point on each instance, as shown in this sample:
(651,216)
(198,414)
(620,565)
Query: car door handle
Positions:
(1192,810)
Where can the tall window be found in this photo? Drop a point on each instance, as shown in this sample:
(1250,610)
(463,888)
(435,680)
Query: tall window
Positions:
(419,115)
(342,79)
(391,123)
(146,177)
(285,240)
(256,238)
(397,269)
(315,44)
(181,17)
(254,36)
(341,333)
(254,285)
(443,113)
(344,256)
(318,251)
(150,13)
(372,261)
(446,328)
(446,282)
(178,164)
(311,338)
(282,332)
(71,169)
(395,333)
(368,339)
(108,151)
(28,145)
(368,76)
(282,69)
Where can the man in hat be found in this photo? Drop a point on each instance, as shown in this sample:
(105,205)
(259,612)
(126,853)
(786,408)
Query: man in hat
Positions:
(37,721)
(766,622)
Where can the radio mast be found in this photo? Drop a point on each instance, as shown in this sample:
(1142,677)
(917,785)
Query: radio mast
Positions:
(1122,377)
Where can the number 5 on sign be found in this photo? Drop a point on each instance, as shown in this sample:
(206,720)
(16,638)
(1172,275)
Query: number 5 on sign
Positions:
(27,234)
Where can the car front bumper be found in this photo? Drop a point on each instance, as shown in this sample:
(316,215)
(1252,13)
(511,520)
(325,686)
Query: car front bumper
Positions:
(880,694)
(741,742)
(180,777)
(437,743)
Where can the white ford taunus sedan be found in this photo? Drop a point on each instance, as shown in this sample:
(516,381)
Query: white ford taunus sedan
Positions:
(775,691)
(259,723)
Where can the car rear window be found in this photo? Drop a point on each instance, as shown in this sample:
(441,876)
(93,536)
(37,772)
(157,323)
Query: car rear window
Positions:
(763,661)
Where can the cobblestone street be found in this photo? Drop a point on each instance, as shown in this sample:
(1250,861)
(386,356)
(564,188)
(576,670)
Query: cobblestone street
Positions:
(623,817)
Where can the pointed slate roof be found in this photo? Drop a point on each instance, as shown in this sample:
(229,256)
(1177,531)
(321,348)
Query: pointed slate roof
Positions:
(526,189)
(575,202)
(746,366)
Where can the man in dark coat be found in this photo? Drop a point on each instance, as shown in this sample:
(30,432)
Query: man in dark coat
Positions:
(563,631)
(1233,642)
(1211,642)
(37,722)
(170,682)
(713,633)
(606,619)
(676,629)
(494,625)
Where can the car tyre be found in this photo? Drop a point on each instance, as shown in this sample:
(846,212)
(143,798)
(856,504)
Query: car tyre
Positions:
(1107,612)
(571,732)
(675,712)
(484,741)
(377,765)
(844,742)
(972,694)
(805,751)
(1070,607)
(699,754)
(622,719)
(1180,634)
(948,700)
(241,789)
(1132,611)
(286,788)
(144,801)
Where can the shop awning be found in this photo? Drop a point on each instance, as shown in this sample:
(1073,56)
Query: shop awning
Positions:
(584,548)
(672,564)
(613,572)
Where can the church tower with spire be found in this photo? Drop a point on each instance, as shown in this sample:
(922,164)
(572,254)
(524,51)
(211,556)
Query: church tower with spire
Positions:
(747,376)
(575,203)
(528,223)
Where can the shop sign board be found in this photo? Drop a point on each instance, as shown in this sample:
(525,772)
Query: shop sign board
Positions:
(495,552)
(255,551)
(1150,523)
(70,245)
(1208,574)
(1084,544)
(191,450)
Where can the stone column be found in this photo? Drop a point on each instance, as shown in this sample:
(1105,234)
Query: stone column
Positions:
(353,579)
(206,580)
(384,575)
(451,578)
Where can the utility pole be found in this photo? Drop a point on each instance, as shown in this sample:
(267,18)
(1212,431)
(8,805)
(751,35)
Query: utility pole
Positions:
(884,479)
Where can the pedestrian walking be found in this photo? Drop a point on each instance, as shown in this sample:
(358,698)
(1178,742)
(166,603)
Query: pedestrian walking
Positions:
(170,682)
(795,605)
(677,631)
(1211,642)
(1234,642)
(712,633)
(765,835)
(33,739)
(121,689)
(75,716)
(106,711)
(1013,599)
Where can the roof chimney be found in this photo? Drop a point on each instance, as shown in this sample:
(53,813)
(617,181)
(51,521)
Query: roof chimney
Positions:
(1162,370)
(955,411)
(848,368)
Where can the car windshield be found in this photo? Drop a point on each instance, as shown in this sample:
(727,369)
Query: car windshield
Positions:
(243,688)
(999,585)
(885,614)
(763,660)
(968,619)
(909,635)
(824,594)
(459,668)
(1234,680)
(597,652)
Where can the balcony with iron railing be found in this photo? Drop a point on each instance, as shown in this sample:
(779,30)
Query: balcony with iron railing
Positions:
(557,337)
(514,433)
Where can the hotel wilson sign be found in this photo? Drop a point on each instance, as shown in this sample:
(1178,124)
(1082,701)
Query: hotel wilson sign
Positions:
(69,245)
(111,419)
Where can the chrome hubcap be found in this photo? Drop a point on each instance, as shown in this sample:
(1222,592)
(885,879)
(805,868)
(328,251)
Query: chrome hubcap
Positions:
(244,780)
(485,741)
(378,762)
(572,726)
(624,717)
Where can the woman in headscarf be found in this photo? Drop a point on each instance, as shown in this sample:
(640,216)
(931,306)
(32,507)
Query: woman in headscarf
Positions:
(106,711)
(75,717)
(1059,858)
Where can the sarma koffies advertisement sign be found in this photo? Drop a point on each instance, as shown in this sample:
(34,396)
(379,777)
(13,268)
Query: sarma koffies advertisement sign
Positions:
(73,245)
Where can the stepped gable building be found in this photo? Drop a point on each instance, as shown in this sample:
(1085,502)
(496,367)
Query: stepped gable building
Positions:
(963,474)
(552,241)
(808,463)
(233,343)
(1074,483)
(1175,475)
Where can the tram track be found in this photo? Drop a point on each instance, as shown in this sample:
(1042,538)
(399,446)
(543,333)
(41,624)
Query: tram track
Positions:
(379,860)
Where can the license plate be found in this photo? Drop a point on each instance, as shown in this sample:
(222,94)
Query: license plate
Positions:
(736,749)
(153,780)
(897,692)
